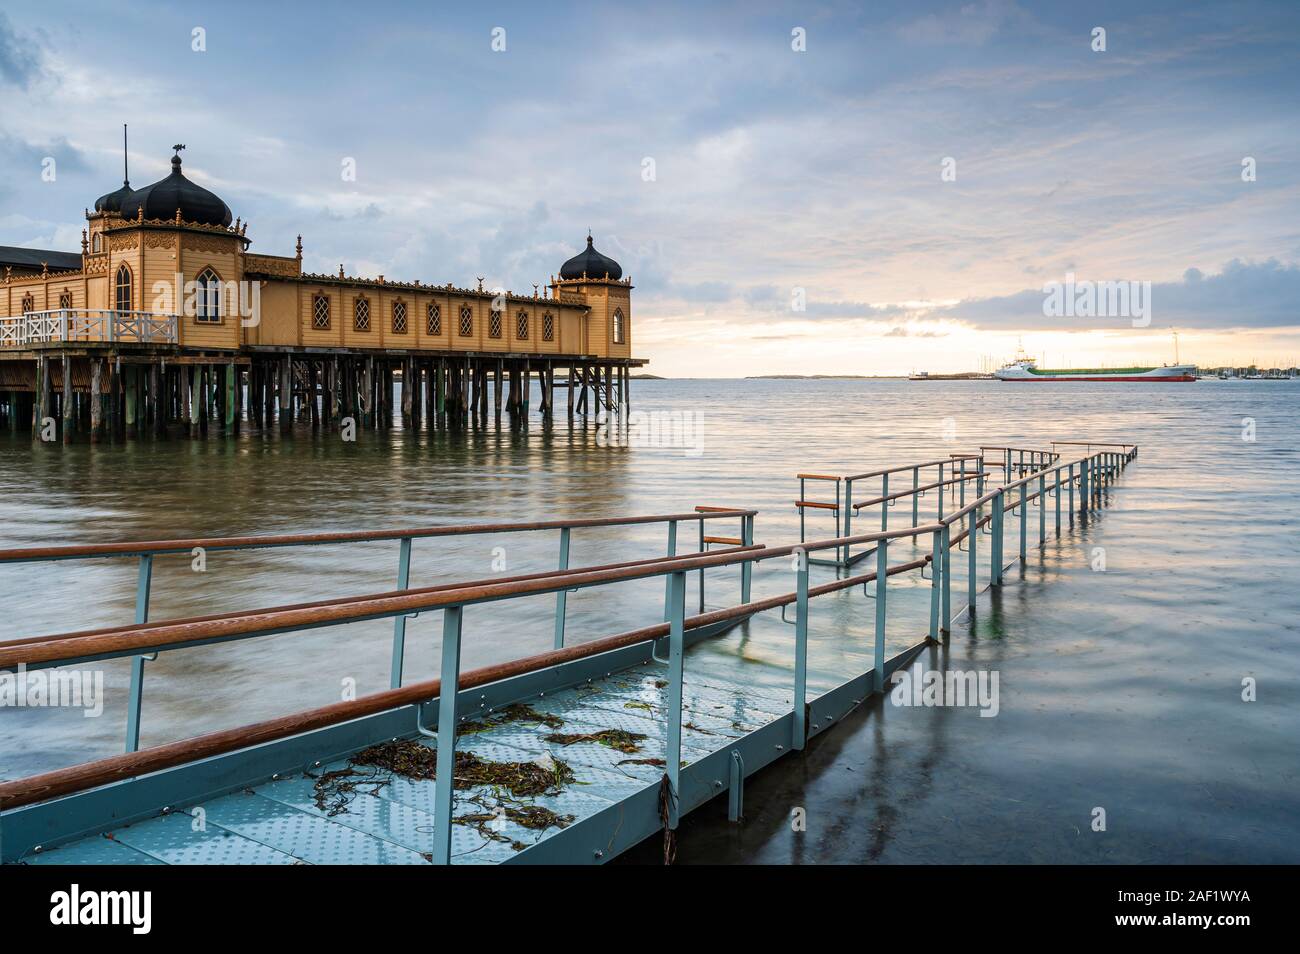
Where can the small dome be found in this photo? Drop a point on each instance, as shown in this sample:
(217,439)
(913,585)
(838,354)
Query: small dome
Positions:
(589,263)
(112,202)
(161,200)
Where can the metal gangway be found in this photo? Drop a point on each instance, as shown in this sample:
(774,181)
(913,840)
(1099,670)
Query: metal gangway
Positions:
(646,739)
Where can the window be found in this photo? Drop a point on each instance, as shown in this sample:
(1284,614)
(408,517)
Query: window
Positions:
(434,315)
(97,243)
(123,288)
(466,321)
(29,303)
(548,327)
(361,315)
(521,326)
(399,317)
(619,335)
(494,324)
(207,299)
(320,312)
(65,299)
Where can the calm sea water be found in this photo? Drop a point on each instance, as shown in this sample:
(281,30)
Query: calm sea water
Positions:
(1120,687)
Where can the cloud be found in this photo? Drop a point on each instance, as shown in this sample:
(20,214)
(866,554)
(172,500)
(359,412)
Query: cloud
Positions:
(19,66)
(1264,294)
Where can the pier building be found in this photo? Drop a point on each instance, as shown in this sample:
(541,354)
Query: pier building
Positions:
(167,320)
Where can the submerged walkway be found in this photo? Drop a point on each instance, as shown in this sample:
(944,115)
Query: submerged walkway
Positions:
(1119,689)
(575,755)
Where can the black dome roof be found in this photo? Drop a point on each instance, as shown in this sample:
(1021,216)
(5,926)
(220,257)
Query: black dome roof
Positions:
(112,202)
(591,264)
(161,200)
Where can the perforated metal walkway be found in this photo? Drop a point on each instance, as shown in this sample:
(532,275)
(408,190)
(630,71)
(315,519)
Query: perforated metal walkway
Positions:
(389,818)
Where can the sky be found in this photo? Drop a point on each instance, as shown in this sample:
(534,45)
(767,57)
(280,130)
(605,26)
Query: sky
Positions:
(823,188)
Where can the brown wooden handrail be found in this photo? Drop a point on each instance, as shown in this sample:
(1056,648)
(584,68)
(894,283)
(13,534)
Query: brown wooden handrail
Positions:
(437,588)
(169,635)
(902,467)
(923,487)
(136,548)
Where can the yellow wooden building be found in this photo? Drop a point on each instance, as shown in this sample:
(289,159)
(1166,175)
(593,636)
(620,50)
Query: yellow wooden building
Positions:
(166,280)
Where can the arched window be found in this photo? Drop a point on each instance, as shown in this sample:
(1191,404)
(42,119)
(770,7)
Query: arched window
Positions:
(399,317)
(619,330)
(97,243)
(521,326)
(361,315)
(494,324)
(466,321)
(320,312)
(65,299)
(122,287)
(548,327)
(434,315)
(29,303)
(207,297)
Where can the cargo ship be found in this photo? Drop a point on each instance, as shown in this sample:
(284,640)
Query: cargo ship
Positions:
(1025,369)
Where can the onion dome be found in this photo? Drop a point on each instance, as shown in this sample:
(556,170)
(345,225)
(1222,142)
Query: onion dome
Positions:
(161,200)
(112,202)
(589,263)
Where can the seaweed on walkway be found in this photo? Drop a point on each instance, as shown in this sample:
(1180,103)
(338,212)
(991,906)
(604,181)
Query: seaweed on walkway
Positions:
(410,759)
(519,712)
(335,790)
(614,738)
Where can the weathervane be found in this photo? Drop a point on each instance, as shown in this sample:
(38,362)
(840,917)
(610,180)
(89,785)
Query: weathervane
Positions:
(178,147)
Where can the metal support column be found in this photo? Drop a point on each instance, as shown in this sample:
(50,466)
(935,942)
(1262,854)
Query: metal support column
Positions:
(144,579)
(562,597)
(399,622)
(443,787)
(676,659)
(800,733)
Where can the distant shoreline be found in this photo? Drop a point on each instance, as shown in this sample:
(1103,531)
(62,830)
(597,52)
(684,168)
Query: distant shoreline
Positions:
(825,377)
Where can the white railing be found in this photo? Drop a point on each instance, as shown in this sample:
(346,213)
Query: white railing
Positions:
(69,324)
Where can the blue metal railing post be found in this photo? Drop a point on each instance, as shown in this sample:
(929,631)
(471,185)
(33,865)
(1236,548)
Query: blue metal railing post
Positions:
(562,597)
(704,547)
(803,495)
(848,517)
(1024,521)
(144,579)
(1056,493)
(668,583)
(1070,482)
(940,509)
(995,553)
(947,582)
(882,581)
(746,568)
(916,496)
(676,659)
(936,566)
(1083,487)
(884,503)
(444,784)
(800,707)
(1042,509)
(961,487)
(399,622)
(972,566)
